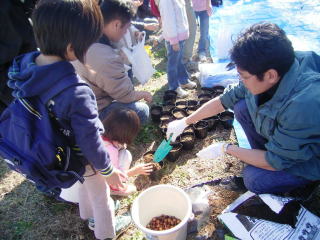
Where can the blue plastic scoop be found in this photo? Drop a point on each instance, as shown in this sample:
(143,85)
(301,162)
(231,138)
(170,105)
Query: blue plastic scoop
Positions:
(163,150)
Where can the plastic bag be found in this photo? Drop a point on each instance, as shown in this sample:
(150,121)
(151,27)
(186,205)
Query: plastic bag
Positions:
(142,68)
(215,74)
(223,43)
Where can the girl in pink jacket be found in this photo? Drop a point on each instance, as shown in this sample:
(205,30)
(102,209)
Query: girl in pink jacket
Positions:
(121,127)
(203,10)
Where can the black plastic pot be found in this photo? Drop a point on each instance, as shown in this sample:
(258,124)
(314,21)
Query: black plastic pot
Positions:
(148,157)
(192,103)
(155,174)
(189,129)
(206,90)
(164,126)
(168,106)
(205,96)
(181,104)
(201,129)
(187,140)
(226,118)
(203,101)
(170,95)
(175,152)
(155,112)
(166,116)
(217,90)
(178,113)
(212,122)
(191,110)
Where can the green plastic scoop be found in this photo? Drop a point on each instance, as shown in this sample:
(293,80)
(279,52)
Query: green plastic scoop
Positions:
(163,150)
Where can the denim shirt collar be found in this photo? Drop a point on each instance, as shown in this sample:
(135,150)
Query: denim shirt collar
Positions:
(283,92)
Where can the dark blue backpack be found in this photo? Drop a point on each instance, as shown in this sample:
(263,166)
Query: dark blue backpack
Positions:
(33,143)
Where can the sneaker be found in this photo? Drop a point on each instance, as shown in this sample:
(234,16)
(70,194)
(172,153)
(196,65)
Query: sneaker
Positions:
(91,220)
(189,85)
(91,224)
(122,223)
(130,189)
(233,183)
(192,67)
(202,57)
(181,93)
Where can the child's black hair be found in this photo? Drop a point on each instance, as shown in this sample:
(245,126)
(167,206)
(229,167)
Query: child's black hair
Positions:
(58,23)
(121,125)
(117,9)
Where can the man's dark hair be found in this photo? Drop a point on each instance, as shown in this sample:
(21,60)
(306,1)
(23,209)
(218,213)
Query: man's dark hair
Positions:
(121,125)
(57,23)
(261,47)
(117,9)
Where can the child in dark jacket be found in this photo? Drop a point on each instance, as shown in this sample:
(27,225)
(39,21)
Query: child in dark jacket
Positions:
(64,30)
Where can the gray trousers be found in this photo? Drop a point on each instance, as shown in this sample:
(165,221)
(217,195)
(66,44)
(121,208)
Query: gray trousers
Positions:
(188,47)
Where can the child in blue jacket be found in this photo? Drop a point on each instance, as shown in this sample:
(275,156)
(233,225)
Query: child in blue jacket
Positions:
(64,30)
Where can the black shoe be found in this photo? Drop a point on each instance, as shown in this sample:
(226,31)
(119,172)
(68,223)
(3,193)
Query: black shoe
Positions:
(233,183)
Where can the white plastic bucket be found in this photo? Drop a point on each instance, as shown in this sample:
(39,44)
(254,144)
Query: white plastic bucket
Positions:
(158,200)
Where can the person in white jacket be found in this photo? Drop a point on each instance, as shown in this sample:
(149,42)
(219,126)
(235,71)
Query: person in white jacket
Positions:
(175,31)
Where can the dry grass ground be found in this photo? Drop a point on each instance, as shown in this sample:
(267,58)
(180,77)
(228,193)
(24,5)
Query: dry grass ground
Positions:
(27,214)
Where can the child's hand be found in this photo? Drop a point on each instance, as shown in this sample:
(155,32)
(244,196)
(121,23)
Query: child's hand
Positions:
(139,36)
(142,169)
(147,96)
(137,3)
(116,179)
(176,47)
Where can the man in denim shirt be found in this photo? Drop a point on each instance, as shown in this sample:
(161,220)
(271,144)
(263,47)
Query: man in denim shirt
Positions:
(277,103)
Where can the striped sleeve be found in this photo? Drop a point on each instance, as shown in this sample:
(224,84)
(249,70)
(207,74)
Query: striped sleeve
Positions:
(107,171)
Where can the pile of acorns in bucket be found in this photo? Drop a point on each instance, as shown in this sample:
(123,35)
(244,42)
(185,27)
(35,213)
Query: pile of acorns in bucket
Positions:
(173,109)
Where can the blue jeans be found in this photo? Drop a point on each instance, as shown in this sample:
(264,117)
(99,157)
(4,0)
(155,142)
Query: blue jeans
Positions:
(177,73)
(204,31)
(140,108)
(256,179)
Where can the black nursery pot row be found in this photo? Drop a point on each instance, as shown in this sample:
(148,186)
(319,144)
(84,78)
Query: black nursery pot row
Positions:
(199,130)
(214,91)
(170,96)
(173,109)
(158,115)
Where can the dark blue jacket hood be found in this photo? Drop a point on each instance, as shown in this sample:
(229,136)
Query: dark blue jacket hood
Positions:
(27,79)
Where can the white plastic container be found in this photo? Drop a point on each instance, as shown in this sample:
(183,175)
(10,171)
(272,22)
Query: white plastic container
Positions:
(158,200)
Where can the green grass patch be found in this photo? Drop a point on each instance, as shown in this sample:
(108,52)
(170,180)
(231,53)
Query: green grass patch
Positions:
(20,227)
(158,74)
(129,200)
(57,208)
(161,53)
(137,236)
(147,134)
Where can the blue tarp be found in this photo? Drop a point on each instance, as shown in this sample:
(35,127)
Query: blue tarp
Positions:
(299,18)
